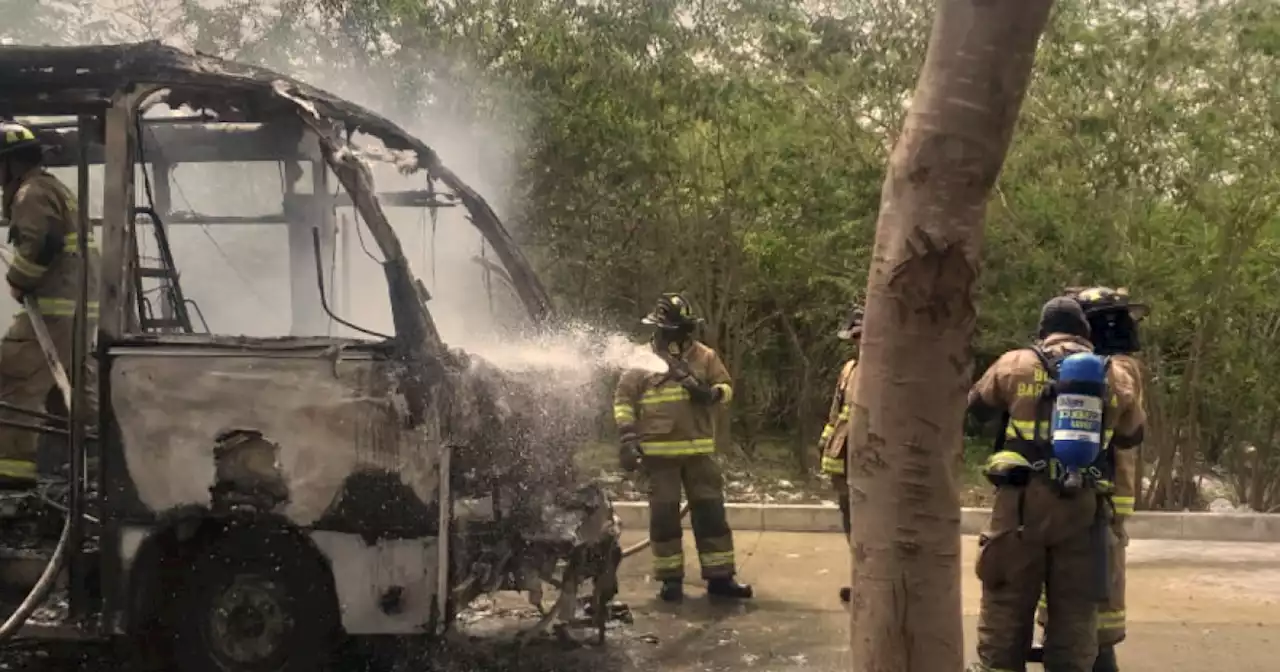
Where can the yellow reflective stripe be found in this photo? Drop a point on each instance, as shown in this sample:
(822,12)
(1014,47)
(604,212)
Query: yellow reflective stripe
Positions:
(828,431)
(668,562)
(720,559)
(27,267)
(18,134)
(55,307)
(832,465)
(1044,600)
(1006,459)
(71,242)
(844,412)
(664,395)
(726,391)
(670,448)
(623,413)
(1111,620)
(1025,429)
(18,469)
(1123,505)
(1022,429)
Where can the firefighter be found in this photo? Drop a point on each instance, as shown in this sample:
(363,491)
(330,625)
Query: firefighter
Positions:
(666,424)
(1042,523)
(835,435)
(1113,321)
(42,214)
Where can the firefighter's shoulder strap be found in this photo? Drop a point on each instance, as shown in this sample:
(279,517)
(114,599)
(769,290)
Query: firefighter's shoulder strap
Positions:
(1050,365)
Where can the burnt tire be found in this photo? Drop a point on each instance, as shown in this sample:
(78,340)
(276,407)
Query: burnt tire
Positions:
(258,598)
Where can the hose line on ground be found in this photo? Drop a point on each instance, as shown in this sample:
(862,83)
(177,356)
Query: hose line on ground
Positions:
(44,585)
(640,546)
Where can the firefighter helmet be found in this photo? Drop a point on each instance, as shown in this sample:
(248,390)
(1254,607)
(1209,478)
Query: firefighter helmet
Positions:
(15,137)
(1095,300)
(672,311)
(851,328)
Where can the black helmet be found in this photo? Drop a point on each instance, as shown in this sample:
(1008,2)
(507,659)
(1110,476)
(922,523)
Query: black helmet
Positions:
(851,328)
(15,137)
(1063,315)
(672,311)
(1095,300)
(1113,319)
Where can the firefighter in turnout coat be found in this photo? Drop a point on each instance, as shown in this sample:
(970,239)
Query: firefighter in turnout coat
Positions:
(1042,527)
(666,425)
(42,214)
(835,435)
(1113,321)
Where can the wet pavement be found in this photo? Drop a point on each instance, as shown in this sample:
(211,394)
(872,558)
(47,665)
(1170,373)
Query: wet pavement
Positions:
(1192,606)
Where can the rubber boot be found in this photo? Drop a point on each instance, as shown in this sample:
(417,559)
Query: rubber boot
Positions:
(1106,660)
(671,591)
(729,588)
(846,594)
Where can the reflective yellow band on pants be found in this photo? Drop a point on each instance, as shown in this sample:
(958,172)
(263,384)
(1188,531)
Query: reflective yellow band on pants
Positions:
(668,563)
(832,465)
(1111,620)
(1124,505)
(623,414)
(678,448)
(18,469)
(55,307)
(844,412)
(827,432)
(721,559)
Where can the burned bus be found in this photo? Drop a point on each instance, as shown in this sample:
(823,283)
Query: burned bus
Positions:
(242,500)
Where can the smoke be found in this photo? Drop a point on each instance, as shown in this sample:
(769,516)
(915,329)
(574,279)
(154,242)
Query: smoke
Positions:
(239,275)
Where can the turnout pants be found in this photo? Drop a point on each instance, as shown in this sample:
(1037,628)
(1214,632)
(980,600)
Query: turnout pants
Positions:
(841,485)
(1036,539)
(25,381)
(700,479)
(1111,618)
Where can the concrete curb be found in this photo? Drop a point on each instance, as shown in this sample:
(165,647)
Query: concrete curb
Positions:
(1184,526)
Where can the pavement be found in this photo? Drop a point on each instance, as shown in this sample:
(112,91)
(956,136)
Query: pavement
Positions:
(1192,606)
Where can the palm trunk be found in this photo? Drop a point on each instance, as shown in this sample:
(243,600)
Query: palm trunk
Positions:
(916,364)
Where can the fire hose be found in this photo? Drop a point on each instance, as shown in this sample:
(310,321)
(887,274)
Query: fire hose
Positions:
(641,545)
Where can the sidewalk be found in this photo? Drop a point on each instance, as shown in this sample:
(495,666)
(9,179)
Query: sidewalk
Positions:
(1191,606)
(1186,526)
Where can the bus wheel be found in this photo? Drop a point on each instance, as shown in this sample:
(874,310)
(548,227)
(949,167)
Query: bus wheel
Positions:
(257,600)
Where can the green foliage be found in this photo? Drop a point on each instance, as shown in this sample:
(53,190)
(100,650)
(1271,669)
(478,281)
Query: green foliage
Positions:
(734,150)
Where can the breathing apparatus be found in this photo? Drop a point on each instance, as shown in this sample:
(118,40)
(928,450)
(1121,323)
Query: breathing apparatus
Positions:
(1079,392)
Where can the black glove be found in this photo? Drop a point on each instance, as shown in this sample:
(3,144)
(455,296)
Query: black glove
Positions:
(629,450)
(700,392)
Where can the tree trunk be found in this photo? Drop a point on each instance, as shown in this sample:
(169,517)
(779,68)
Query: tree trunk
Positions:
(916,362)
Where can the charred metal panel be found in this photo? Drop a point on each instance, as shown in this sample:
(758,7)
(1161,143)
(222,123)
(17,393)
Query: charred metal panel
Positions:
(340,426)
(383,588)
